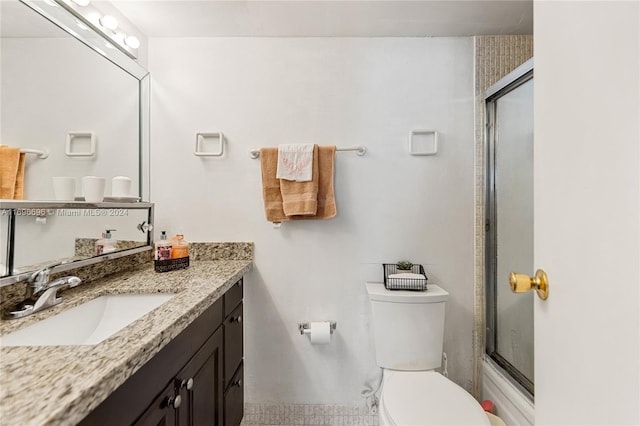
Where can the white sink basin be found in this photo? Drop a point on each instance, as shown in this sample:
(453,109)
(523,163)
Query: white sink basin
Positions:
(89,323)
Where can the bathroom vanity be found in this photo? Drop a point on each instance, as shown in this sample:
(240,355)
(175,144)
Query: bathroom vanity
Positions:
(195,379)
(181,363)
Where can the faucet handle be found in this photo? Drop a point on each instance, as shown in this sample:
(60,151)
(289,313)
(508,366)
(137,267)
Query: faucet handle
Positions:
(41,276)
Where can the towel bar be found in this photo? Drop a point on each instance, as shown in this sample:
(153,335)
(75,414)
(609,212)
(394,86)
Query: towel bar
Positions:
(360,150)
(41,153)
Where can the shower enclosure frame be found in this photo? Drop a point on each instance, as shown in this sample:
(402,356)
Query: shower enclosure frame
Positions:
(513,80)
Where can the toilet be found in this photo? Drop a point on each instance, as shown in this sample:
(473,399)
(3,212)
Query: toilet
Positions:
(408,332)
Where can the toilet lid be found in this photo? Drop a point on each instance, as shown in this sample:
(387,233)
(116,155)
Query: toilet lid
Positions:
(428,398)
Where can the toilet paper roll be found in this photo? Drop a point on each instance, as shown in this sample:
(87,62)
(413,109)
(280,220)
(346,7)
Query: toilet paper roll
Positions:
(319,332)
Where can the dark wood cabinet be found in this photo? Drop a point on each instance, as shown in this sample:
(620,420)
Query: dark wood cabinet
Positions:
(162,410)
(234,400)
(233,346)
(233,356)
(196,379)
(199,385)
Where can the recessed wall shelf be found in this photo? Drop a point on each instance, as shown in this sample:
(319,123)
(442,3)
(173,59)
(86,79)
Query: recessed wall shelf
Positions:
(423,142)
(80,144)
(209,139)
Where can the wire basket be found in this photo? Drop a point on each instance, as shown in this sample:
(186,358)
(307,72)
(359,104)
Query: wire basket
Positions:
(414,284)
(171,264)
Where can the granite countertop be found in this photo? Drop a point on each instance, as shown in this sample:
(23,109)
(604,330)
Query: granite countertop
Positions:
(62,384)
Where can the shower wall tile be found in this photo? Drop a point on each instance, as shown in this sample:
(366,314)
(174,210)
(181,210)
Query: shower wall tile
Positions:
(495,57)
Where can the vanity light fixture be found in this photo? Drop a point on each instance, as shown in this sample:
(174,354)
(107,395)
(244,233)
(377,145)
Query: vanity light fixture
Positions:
(81,25)
(132,42)
(109,22)
(90,16)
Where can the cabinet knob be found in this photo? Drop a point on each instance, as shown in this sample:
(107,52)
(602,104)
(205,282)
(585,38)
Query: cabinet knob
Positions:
(174,401)
(188,384)
(237,319)
(237,383)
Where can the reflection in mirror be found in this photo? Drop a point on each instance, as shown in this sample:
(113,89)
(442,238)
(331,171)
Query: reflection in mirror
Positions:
(52,85)
(88,227)
(5,232)
(40,233)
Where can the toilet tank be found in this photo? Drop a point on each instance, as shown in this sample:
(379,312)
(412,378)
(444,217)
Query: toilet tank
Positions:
(408,327)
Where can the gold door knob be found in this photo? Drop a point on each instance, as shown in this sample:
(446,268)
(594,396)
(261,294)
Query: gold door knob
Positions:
(521,283)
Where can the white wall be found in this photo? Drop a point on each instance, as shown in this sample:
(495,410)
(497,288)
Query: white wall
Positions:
(262,92)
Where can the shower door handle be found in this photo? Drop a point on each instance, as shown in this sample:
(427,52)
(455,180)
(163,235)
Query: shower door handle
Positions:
(521,283)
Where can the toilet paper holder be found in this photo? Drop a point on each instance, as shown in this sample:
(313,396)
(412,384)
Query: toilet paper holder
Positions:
(302,326)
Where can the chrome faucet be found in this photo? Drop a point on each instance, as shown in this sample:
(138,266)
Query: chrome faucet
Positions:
(45,291)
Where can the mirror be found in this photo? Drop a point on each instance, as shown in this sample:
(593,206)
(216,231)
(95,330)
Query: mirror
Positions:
(55,93)
(41,233)
(59,78)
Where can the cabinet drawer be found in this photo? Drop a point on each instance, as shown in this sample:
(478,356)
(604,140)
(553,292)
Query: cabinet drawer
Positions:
(234,399)
(233,297)
(233,345)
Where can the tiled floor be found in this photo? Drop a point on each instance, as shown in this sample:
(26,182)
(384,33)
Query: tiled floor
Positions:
(307,414)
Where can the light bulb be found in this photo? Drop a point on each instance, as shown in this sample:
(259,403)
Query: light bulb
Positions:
(132,42)
(109,22)
(81,2)
(51,3)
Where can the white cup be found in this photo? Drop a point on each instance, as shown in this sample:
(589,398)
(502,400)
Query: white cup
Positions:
(121,186)
(64,188)
(93,189)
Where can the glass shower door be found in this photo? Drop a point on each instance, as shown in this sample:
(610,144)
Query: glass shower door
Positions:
(510,229)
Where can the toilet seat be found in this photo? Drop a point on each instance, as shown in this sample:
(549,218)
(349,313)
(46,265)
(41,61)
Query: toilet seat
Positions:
(427,398)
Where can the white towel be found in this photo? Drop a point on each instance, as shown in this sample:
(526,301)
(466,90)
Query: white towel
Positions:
(295,162)
(407,275)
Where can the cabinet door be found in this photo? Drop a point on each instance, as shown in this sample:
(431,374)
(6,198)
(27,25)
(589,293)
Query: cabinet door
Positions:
(234,400)
(200,385)
(233,346)
(162,412)
(233,297)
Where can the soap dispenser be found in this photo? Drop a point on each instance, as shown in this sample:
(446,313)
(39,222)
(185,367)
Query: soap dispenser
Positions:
(106,244)
(163,248)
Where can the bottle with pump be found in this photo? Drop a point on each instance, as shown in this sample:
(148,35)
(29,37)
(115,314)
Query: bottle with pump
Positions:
(106,244)
(163,248)
(180,247)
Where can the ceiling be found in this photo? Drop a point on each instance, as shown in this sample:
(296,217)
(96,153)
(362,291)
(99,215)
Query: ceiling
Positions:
(328,18)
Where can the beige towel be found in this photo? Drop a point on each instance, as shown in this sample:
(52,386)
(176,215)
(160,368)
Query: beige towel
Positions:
(11,162)
(301,198)
(326,195)
(18,193)
(271,186)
